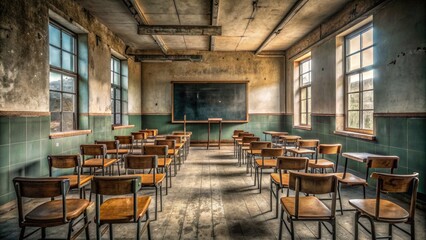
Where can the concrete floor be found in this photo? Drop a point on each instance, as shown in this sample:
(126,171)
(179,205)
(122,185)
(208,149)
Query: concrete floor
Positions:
(211,198)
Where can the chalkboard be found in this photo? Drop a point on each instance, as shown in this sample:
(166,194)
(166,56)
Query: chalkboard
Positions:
(200,101)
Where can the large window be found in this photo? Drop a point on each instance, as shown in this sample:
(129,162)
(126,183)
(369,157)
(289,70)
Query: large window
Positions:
(116,91)
(305,91)
(62,78)
(359,77)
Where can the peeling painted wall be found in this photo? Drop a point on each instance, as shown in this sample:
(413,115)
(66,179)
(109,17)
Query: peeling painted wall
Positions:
(264,75)
(24,63)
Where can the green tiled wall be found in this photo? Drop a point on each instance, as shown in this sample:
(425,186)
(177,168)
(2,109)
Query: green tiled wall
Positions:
(257,124)
(25,144)
(400,136)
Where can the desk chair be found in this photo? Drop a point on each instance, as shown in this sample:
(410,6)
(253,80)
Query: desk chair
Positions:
(172,152)
(120,209)
(245,147)
(179,147)
(187,136)
(383,162)
(50,213)
(322,163)
(382,210)
(95,156)
(77,180)
(281,177)
(256,151)
(139,139)
(114,151)
(239,141)
(305,147)
(150,179)
(235,135)
(309,208)
(164,162)
(268,161)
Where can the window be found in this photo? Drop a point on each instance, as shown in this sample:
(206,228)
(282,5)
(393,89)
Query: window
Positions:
(305,91)
(62,79)
(116,90)
(359,76)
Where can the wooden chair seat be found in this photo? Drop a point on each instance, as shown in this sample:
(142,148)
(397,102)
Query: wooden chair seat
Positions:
(350,179)
(245,147)
(116,210)
(179,145)
(164,162)
(310,207)
(97,162)
(173,152)
(84,179)
(301,151)
(256,152)
(268,163)
(388,210)
(276,179)
(321,163)
(50,213)
(146,179)
(120,151)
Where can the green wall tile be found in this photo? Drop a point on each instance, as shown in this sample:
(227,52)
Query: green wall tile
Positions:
(382,149)
(416,128)
(18,153)
(416,160)
(44,127)
(398,132)
(33,128)
(32,169)
(16,170)
(382,130)
(18,126)
(4,180)
(4,130)
(33,150)
(402,154)
(4,156)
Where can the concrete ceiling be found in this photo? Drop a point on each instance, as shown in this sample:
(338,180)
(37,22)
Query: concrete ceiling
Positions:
(246,24)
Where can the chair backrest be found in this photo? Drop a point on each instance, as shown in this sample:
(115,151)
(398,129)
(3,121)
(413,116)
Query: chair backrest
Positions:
(125,139)
(236,132)
(117,185)
(93,150)
(170,143)
(154,132)
(393,183)
(40,188)
(249,139)
(110,144)
(307,143)
(159,150)
(258,145)
(290,139)
(244,134)
(292,163)
(272,152)
(134,162)
(63,162)
(384,162)
(312,183)
(148,133)
(139,135)
(330,149)
(177,138)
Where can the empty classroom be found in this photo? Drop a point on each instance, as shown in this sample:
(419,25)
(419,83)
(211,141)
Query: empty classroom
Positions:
(212,119)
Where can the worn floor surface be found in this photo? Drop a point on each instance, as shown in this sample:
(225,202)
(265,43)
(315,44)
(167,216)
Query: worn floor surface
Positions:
(213,198)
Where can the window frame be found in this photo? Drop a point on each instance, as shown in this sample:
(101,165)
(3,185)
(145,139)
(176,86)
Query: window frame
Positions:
(119,88)
(65,73)
(308,87)
(359,71)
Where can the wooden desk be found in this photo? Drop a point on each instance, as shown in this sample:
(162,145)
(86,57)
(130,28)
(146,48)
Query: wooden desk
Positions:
(356,156)
(273,134)
(210,121)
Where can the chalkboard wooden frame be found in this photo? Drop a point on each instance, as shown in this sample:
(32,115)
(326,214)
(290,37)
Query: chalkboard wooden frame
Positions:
(209,82)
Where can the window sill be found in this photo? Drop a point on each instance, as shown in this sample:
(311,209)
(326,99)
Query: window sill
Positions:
(308,128)
(115,127)
(69,134)
(364,136)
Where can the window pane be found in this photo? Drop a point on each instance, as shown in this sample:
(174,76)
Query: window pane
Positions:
(54,56)
(55,81)
(116,66)
(306,66)
(367,78)
(368,100)
(306,79)
(112,106)
(303,106)
(117,79)
(303,118)
(303,93)
(55,122)
(117,93)
(55,102)
(67,42)
(353,83)
(367,57)
(68,61)
(68,121)
(69,84)
(353,119)
(309,119)
(367,38)
(68,102)
(112,76)
(354,44)
(54,36)
(112,93)
(309,105)
(353,62)
(309,92)
(353,101)
(117,106)
(117,118)
(367,119)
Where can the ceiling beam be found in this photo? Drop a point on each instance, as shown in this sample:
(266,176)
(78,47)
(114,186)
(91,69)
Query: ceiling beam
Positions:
(179,30)
(277,30)
(168,58)
(140,18)
(214,20)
